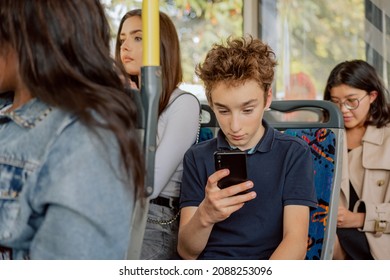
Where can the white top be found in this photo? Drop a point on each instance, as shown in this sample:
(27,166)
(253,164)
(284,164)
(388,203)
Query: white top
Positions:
(176,133)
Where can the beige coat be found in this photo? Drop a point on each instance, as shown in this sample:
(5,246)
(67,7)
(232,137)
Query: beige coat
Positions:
(369,172)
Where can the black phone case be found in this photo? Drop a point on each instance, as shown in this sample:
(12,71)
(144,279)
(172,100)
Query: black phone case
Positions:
(235,161)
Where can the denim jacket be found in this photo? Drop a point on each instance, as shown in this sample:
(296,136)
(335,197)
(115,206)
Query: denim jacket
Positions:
(61,195)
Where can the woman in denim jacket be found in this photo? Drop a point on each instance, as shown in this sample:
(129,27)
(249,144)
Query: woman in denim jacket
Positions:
(69,153)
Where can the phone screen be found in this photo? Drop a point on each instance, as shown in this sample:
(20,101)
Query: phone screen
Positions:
(235,161)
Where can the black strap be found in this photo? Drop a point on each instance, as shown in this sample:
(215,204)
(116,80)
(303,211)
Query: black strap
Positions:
(167,202)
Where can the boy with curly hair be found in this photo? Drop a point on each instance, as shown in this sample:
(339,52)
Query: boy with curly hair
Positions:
(266,217)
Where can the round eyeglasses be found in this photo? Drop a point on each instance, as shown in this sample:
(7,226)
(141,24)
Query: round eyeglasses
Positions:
(350,103)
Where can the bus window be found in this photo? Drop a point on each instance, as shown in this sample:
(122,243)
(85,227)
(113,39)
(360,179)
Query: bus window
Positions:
(309,37)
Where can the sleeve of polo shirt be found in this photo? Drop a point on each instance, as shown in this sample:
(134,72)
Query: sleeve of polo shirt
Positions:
(193,181)
(299,188)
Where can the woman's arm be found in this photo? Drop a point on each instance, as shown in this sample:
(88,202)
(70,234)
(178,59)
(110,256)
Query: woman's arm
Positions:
(376,218)
(82,206)
(181,122)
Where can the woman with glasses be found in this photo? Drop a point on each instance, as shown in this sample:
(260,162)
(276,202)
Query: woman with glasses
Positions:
(363,220)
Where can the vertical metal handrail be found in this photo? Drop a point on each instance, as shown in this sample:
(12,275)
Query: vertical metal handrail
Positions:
(151,87)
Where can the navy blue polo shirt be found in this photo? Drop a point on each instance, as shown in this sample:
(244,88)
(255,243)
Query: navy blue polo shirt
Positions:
(281,169)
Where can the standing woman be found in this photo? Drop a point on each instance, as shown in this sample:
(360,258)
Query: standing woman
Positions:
(178,124)
(70,160)
(363,221)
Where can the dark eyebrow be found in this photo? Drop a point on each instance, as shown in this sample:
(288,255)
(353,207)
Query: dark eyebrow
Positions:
(348,96)
(131,32)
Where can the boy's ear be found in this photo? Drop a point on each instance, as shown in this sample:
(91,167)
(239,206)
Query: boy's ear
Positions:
(269,98)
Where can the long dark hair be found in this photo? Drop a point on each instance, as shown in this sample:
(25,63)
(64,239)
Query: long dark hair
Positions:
(170,60)
(361,75)
(64,60)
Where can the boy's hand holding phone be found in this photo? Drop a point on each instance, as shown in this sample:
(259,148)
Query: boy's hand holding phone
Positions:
(227,189)
(219,204)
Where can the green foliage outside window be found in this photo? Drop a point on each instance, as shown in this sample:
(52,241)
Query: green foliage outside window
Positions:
(312,36)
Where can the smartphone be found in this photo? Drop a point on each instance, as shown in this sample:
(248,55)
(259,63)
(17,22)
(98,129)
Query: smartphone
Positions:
(235,161)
